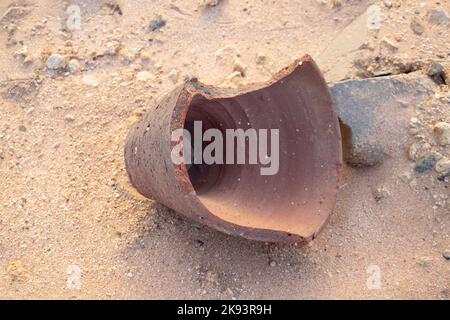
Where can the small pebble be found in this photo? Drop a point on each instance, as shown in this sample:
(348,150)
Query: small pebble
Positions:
(405,177)
(28,60)
(234,79)
(144,76)
(17,270)
(146,55)
(446,254)
(209,3)
(173,76)
(211,276)
(387,4)
(425,261)
(335,3)
(73,65)
(443,166)
(69,118)
(442,133)
(22,52)
(89,81)
(388,43)
(414,125)
(261,58)
(55,62)
(417,26)
(112,47)
(127,56)
(417,150)
(435,69)
(225,53)
(239,66)
(379,193)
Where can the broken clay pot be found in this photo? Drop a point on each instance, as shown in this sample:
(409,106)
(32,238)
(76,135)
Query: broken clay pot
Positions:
(290,206)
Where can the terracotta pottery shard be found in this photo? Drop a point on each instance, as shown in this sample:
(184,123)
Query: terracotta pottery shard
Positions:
(289,206)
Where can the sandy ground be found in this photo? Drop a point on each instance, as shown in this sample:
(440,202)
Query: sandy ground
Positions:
(72,227)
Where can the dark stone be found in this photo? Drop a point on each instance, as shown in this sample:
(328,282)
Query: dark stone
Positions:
(373,114)
(199,243)
(156,24)
(426,164)
(438,17)
(446,254)
(435,69)
(437,72)
(443,177)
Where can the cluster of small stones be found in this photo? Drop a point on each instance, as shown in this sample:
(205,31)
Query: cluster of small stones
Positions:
(70,59)
(382,56)
(430,150)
